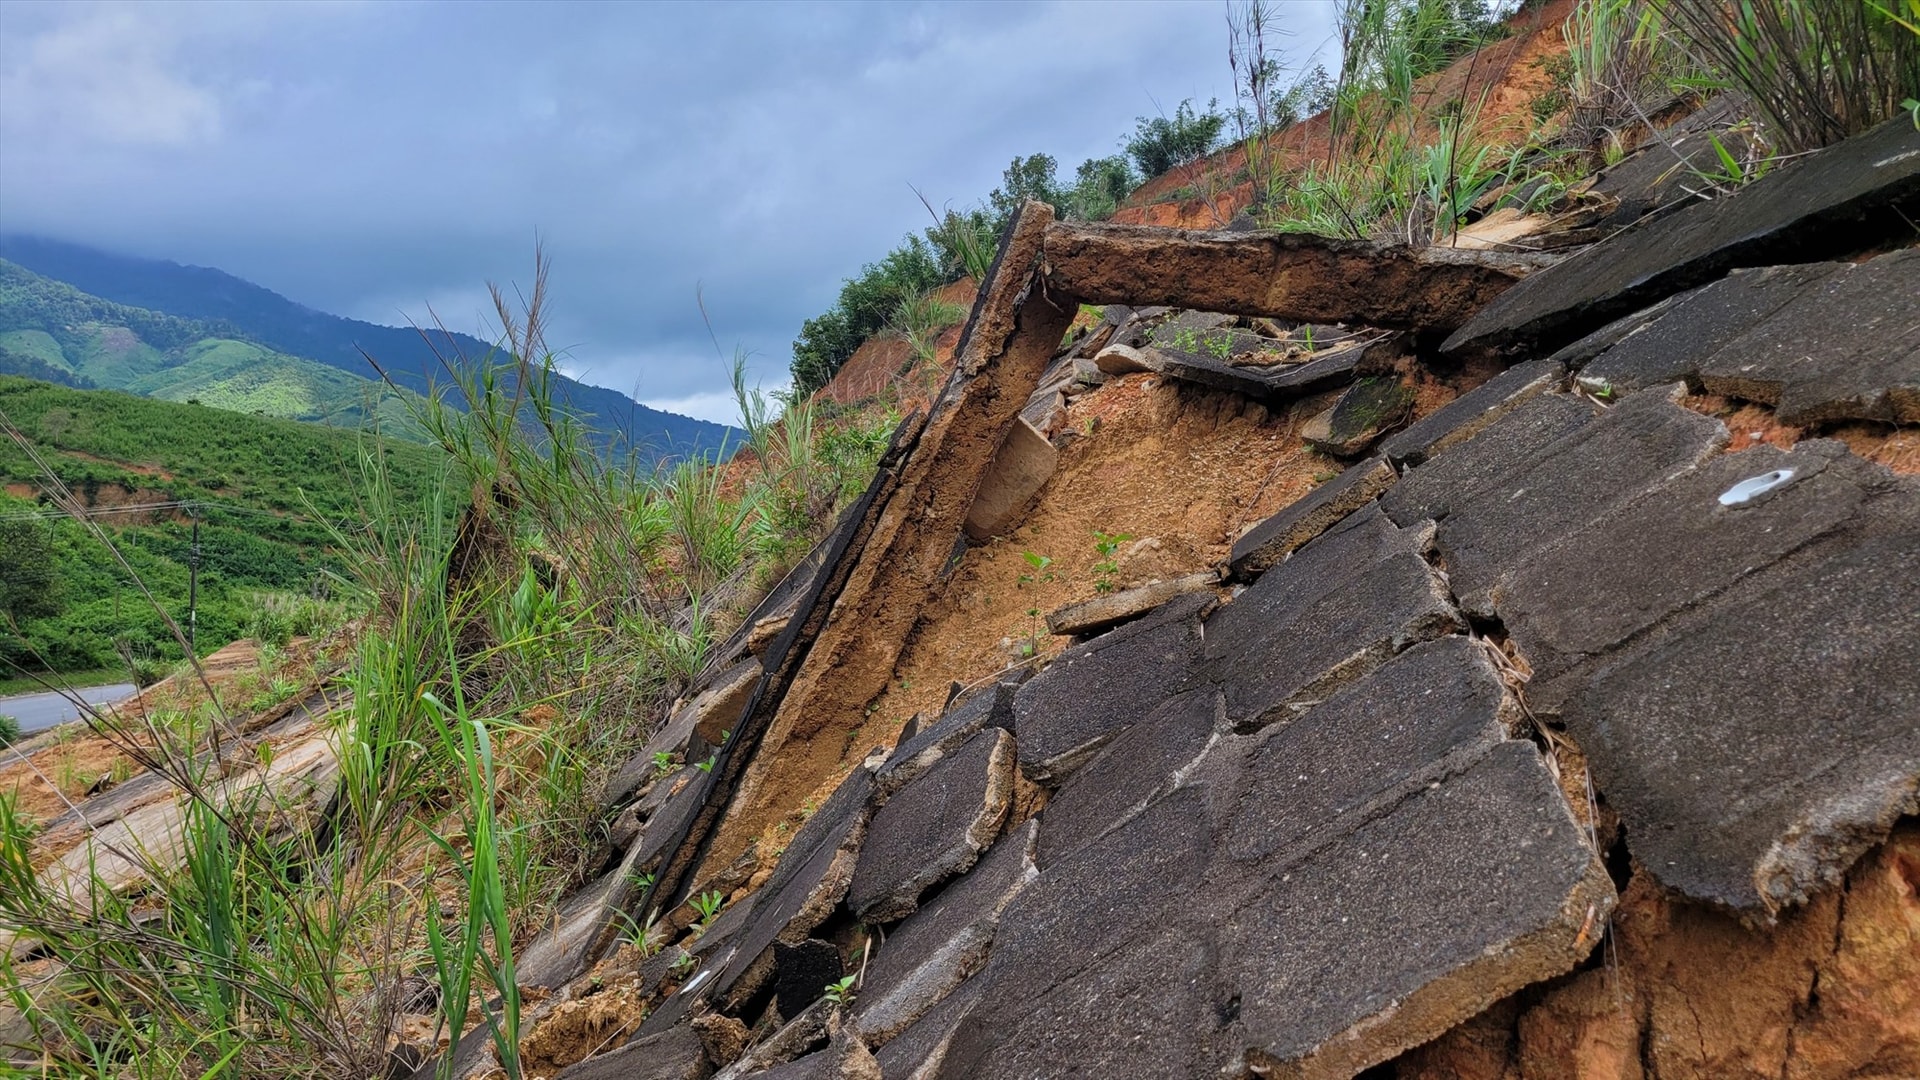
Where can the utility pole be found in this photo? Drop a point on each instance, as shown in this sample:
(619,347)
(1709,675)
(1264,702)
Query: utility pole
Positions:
(193,583)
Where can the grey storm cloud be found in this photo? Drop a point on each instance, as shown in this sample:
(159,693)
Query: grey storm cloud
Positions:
(372,159)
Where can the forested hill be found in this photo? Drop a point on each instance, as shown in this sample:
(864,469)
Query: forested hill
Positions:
(265,317)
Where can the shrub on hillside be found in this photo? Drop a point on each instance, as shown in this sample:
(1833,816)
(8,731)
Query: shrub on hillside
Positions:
(865,304)
(1163,143)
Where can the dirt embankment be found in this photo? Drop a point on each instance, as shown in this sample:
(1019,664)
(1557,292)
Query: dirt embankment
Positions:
(1505,79)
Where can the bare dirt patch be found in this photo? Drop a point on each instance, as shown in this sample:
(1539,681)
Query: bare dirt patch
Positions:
(576,1030)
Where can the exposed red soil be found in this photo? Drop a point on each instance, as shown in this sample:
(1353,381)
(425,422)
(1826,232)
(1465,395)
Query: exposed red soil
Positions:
(1685,991)
(1748,424)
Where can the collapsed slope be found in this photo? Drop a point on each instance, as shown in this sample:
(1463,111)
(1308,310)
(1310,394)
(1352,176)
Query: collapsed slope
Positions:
(1427,777)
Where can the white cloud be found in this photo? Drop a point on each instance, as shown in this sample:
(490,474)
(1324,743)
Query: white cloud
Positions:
(717,406)
(111,75)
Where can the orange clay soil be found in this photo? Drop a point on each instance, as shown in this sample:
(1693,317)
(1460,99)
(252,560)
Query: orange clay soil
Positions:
(1181,471)
(1897,448)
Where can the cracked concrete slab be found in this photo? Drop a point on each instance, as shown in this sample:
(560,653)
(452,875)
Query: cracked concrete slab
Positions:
(1288,656)
(1103,613)
(933,828)
(1301,782)
(1756,746)
(1505,446)
(1094,690)
(1307,517)
(1670,348)
(1467,415)
(1133,769)
(1845,198)
(1461,894)
(1629,449)
(1578,599)
(1801,360)
(946,942)
(991,706)
(1294,276)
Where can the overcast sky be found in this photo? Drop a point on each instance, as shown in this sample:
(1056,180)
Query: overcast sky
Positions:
(371,159)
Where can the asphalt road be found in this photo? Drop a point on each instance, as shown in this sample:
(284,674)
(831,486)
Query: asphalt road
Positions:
(38,711)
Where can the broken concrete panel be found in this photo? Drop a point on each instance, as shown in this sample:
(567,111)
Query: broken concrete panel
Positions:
(1846,198)
(1324,373)
(1131,771)
(1106,612)
(809,881)
(1146,1011)
(1756,746)
(1096,899)
(990,707)
(1369,408)
(1352,546)
(1312,514)
(1670,349)
(1469,468)
(1214,375)
(934,828)
(642,768)
(1023,465)
(846,1057)
(1582,597)
(906,542)
(1466,891)
(1118,359)
(1627,450)
(1470,413)
(1292,276)
(1093,691)
(919,1052)
(715,711)
(1796,360)
(944,943)
(1312,779)
(1288,654)
(674,1054)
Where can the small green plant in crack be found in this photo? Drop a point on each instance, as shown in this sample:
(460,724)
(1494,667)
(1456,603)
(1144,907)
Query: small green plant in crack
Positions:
(662,763)
(646,938)
(839,993)
(1107,544)
(1221,346)
(1029,647)
(1040,564)
(708,905)
(1183,338)
(707,765)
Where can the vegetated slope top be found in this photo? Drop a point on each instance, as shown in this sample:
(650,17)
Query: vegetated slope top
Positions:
(412,358)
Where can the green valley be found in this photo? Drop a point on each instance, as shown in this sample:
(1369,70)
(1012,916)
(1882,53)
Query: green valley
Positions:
(265,491)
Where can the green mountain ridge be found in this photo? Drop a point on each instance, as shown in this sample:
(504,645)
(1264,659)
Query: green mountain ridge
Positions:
(414,359)
(53,331)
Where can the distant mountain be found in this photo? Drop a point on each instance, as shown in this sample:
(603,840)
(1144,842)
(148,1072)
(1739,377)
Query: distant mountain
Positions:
(248,312)
(51,331)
